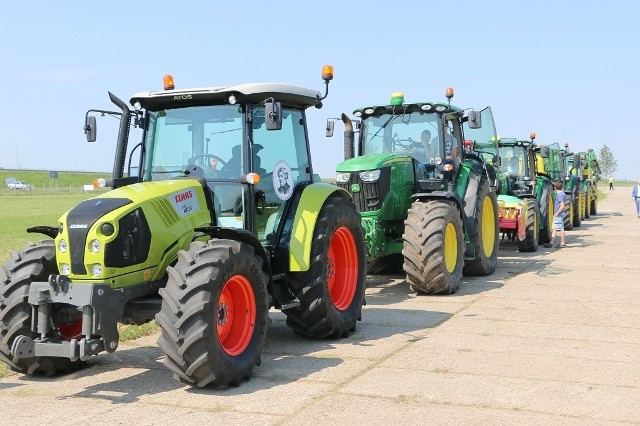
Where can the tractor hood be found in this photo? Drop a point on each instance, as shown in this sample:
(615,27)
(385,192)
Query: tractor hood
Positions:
(508,201)
(371,162)
(130,234)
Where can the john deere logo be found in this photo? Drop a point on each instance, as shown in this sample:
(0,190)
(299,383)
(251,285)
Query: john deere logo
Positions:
(355,187)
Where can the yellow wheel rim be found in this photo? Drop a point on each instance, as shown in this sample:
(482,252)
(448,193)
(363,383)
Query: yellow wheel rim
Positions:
(450,247)
(488,227)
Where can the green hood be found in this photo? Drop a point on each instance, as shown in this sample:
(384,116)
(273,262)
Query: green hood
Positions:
(371,162)
(509,201)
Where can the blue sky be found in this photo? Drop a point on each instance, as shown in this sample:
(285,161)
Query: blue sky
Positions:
(570,72)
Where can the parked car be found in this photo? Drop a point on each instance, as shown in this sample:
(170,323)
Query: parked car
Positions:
(17,185)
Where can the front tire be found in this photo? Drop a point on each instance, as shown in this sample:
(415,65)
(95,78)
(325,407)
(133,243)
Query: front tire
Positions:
(530,241)
(331,292)
(34,264)
(485,233)
(433,247)
(214,314)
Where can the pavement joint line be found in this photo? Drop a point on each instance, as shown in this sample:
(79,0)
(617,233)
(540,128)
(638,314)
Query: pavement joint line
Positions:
(510,320)
(402,400)
(545,337)
(535,379)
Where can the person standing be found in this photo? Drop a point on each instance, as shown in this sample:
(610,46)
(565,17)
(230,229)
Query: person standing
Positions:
(610,183)
(635,193)
(558,217)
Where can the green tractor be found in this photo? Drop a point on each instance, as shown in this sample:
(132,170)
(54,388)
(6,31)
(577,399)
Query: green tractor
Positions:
(425,196)
(525,200)
(224,220)
(556,167)
(588,170)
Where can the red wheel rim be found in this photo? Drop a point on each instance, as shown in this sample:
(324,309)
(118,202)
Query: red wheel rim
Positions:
(342,268)
(71,331)
(235,315)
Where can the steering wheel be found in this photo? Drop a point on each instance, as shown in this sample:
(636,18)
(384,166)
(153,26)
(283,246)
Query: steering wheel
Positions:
(199,170)
(404,143)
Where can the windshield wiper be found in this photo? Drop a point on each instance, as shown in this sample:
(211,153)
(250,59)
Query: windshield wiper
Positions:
(384,125)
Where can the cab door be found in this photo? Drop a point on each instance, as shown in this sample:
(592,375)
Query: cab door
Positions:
(485,135)
(281,158)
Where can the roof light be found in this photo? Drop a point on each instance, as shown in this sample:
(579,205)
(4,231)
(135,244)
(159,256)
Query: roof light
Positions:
(532,135)
(137,105)
(468,142)
(168,82)
(449,92)
(368,111)
(232,99)
(426,107)
(441,108)
(327,72)
(99,183)
(397,98)
(358,113)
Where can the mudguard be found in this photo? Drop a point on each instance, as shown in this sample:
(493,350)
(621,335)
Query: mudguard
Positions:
(304,223)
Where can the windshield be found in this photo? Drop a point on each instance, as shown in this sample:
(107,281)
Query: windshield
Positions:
(414,134)
(514,161)
(206,140)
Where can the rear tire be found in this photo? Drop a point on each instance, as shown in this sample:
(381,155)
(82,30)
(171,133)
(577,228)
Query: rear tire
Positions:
(546,214)
(577,211)
(587,199)
(331,292)
(530,242)
(34,264)
(594,207)
(433,247)
(569,210)
(485,236)
(214,314)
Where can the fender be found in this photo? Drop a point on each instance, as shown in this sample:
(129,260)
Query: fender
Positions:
(304,223)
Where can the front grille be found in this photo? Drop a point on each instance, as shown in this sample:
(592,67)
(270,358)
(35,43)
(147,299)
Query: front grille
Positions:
(368,196)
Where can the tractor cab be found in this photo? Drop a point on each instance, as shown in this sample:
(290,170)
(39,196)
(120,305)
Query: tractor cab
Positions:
(246,144)
(517,168)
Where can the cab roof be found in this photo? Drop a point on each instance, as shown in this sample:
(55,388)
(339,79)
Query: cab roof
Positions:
(377,110)
(288,94)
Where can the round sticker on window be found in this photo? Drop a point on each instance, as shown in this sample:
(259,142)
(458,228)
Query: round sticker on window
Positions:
(282,180)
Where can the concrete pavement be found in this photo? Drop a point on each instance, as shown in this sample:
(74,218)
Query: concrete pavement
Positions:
(553,337)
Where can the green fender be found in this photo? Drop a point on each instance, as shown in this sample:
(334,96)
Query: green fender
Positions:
(304,223)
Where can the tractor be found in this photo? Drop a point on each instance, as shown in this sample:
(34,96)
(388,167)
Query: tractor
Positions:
(426,198)
(587,169)
(223,220)
(556,167)
(525,199)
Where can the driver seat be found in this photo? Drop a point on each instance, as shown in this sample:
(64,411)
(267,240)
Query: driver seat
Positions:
(234,165)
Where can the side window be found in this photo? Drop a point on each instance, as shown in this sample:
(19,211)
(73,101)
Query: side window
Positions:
(284,149)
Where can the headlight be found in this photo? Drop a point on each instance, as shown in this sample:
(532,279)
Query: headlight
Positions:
(97,270)
(95,246)
(62,246)
(343,177)
(370,176)
(64,269)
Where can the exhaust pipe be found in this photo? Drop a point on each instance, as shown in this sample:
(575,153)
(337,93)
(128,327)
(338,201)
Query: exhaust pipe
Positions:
(348,137)
(123,137)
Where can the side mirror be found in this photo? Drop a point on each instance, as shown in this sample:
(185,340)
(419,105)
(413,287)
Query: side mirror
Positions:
(90,128)
(497,161)
(475,119)
(544,151)
(330,127)
(273,115)
(576,161)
